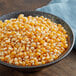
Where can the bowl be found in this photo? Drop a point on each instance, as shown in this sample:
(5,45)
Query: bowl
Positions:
(56,19)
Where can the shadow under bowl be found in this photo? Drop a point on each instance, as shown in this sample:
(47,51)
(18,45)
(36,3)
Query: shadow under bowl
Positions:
(54,18)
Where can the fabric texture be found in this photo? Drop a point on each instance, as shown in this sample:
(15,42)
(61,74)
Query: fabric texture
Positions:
(65,9)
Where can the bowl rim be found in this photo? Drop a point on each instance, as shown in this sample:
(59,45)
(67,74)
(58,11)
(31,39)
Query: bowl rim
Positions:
(43,65)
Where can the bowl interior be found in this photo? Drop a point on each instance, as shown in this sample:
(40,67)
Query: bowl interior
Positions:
(54,19)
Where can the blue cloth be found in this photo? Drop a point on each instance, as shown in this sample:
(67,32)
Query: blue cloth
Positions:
(65,9)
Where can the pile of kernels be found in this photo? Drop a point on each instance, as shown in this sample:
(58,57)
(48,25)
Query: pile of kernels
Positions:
(31,41)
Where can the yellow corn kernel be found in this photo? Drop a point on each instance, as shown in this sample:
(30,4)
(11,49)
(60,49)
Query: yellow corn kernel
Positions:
(1,22)
(36,40)
(62,45)
(43,62)
(62,39)
(20,27)
(20,38)
(13,53)
(3,25)
(66,36)
(34,45)
(21,15)
(2,58)
(23,47)
(37,50)
(27,62)
(17,46)
(64,32)
(43,49)
(13,32)
(42,41)
(23,63)
(66,45)
(59,25)
(31,23)
(37,54)
(36,63)
(8,21)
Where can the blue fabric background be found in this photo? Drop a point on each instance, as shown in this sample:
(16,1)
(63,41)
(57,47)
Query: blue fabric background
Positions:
(65,9)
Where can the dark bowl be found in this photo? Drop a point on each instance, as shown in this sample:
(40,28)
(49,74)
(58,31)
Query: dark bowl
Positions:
(56,19)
